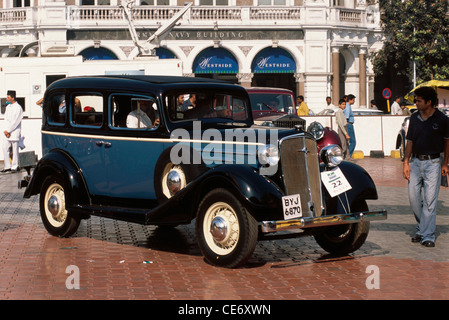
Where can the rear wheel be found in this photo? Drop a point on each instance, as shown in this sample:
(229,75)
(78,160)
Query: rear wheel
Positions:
(345,238)
(56,218)
(226,231)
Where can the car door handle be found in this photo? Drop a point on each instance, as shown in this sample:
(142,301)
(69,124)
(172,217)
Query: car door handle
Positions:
(103,143)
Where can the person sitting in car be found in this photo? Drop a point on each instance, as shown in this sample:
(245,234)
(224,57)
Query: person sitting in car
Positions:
(142,116)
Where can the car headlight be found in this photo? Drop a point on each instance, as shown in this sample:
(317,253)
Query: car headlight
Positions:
(316,129)
(331,155)
(268,155)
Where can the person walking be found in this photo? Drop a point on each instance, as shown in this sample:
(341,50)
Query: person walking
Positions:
(350,100)
(342,130)
(427,137)
(12,132)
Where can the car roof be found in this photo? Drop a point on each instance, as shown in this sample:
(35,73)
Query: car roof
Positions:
(268,89)
(135,82)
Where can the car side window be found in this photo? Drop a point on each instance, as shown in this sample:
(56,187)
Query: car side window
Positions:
(56,109)
(87,109)
(134,112)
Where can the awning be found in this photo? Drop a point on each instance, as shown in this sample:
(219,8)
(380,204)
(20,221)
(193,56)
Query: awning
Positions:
(98,54)
(273,60)
(164,53)
(215,60)
(435,84)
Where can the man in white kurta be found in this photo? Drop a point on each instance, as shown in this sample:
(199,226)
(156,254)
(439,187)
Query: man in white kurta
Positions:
(11,132)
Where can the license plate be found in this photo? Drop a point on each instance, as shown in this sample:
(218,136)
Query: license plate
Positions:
(292,206)
(335,182)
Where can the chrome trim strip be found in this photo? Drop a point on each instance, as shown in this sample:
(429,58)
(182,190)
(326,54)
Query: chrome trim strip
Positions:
(309,222)
(167,140)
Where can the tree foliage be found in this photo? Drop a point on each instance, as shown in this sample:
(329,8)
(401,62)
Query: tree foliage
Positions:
(414,30)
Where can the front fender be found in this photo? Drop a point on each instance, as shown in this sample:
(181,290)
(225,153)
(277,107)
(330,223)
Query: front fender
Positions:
(259,195)
(363,188)
(57,162)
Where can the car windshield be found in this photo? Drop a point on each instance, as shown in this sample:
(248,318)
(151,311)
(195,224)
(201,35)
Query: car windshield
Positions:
(188,106)
(270,101)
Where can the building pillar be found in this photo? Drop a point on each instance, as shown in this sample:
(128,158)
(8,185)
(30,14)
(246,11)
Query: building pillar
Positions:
(245,79)
(299,79)
(335,75)
(362,78)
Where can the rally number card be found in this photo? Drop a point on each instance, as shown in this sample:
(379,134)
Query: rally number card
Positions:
(335,182)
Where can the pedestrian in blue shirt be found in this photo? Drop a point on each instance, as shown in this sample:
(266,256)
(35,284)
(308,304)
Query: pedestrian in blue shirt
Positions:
(350,99)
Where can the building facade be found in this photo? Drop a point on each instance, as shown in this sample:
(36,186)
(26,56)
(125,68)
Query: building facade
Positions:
(316,48)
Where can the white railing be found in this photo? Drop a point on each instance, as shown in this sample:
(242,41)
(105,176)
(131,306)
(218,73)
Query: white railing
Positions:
(274,13)
(351,16)
(13,15)
(216,13)
(245,16)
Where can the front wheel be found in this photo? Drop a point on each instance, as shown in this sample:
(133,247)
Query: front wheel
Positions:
(56,218)
(345,238)
(226,231)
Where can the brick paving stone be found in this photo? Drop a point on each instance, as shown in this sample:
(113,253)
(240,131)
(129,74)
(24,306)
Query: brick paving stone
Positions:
(111,257)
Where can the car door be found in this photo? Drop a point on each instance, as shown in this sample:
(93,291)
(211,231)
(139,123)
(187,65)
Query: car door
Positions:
(133,147)
(85,143)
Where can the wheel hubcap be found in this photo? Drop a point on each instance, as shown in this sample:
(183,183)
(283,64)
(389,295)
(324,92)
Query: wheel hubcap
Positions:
(219,229)
(53,206)
(173,180)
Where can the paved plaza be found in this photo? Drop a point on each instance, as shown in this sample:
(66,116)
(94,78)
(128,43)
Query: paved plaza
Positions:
(109,259)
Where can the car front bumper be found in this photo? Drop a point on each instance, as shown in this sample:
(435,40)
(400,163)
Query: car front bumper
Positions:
(311,222)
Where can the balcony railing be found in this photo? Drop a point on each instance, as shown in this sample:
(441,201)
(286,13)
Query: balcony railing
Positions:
(14,16)
(88,16)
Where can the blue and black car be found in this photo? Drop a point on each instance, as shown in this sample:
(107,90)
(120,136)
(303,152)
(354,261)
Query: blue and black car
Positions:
(161,150)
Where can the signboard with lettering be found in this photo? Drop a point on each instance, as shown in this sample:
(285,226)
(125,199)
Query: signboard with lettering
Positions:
(273,60)
(215,60)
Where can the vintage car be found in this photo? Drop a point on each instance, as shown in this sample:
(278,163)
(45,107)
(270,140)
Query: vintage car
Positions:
(177,163)
(276,107)
(400,139)
(269,102)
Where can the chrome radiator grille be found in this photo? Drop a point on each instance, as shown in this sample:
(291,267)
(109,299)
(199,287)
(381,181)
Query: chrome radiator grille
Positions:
(301,172)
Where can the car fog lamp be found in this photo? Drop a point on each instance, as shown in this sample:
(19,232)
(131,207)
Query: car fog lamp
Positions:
(268,155)
(316,129)
(331,155)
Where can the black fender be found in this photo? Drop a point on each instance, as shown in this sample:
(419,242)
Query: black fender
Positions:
(58,162)
(261,197)
(363,188)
